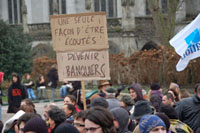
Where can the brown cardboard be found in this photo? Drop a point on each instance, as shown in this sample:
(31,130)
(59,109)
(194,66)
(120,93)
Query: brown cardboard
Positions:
(86,65)
(79,32)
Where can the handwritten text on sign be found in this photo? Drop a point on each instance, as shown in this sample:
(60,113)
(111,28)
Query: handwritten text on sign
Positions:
(87,65)
(79,32)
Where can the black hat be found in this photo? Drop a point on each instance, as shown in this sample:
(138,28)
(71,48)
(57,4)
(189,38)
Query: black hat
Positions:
(110,90)
(66,128)
(99,101)
(155,86)
(141,108)
(36,125)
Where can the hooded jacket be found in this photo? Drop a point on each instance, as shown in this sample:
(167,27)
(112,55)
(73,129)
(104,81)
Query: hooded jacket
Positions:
(138,89)
(189,111)
(122,116)
(16,93)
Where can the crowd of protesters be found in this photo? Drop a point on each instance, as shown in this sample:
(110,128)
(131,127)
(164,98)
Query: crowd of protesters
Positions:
(175,111)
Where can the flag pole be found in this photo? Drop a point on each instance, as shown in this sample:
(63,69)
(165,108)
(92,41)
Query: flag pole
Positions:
(83,94)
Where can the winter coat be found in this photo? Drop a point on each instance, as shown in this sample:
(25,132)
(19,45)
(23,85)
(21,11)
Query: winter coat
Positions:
(53,78)
(178,126)
(188,111)
(122,117)
(16,93)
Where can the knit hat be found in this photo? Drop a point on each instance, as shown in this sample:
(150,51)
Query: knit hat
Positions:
(99,101)
(36,125)
(148,122)
(66,128)
(127,100)
(111,90)
(165,119)
(141,108)
(155,86)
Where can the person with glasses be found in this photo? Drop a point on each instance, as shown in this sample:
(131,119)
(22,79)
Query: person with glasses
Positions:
(99,120)
(79,121)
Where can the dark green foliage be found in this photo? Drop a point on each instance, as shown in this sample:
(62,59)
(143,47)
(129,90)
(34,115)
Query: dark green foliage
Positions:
(15,50)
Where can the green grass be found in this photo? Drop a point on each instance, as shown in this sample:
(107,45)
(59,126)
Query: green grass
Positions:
(5,99)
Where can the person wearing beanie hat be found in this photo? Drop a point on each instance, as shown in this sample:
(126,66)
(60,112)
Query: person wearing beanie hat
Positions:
(66,128)
(99,101)
(152,124)
(111,99)
(127,102)
(36,125)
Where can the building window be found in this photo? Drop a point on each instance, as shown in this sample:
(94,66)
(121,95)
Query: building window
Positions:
(14,11)
(162,4)
(61,7)
(109,6)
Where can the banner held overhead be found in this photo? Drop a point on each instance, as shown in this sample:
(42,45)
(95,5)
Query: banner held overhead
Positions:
(86,65)
(79,32)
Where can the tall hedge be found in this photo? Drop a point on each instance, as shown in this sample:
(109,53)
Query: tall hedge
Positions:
(15,50)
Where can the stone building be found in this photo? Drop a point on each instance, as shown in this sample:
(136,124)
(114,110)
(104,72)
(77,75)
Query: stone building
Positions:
(129,22)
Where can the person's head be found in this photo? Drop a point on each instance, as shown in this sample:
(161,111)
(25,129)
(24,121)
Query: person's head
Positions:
(155,86)
(69,109)
(168,99)
(56,116)
(99,120)
(141,108)
(121,119)
(135,91)
(184,93)
(126,101)
(110,92)
(24,119)
(174,90)
(79,121)
(27,76)
(99,101)
(197,89)
(15,78)
(169,111)
(165,119)
(41,78)
(27,106)
(152,124)
(35,125)
(66,128)
(48,107)
(70,99)
(103,85)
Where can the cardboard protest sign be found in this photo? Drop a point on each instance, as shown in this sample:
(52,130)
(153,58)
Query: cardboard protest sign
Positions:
(79,32)
(84,65)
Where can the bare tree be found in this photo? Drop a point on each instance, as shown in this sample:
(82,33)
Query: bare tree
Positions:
(164,23)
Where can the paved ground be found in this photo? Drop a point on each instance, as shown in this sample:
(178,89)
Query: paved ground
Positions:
(39,108)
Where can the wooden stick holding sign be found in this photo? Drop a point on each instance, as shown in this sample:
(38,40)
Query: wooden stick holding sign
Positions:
(83,94)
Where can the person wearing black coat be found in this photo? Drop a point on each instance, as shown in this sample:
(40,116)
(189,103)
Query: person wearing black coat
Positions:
(53,79)
(188,110)
(16,93)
